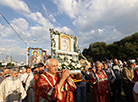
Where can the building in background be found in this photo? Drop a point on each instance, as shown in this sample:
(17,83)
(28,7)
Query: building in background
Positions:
(8,59)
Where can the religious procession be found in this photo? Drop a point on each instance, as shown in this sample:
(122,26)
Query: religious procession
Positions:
(64,77)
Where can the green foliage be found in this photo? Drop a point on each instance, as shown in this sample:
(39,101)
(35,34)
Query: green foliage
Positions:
(123,49)
(9,65)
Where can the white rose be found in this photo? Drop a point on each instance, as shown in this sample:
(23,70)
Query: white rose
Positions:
(59,64)
(69,57)
(66,63)
(78,65)
(74,59)
(62,57)
(69,61)
(73,64)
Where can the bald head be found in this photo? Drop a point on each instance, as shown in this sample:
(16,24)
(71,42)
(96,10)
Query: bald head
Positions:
(49,61)
(52,65)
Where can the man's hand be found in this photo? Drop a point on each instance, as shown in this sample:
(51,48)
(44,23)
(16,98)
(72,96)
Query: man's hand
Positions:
(65,73)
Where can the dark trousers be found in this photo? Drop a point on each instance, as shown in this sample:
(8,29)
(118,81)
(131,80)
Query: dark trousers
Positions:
(128,89)
(114,92)
(30,96)
(118,88)
(81,94)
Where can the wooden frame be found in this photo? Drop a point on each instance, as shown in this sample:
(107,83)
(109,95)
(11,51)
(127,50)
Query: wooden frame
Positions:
(39,51)
(66,46)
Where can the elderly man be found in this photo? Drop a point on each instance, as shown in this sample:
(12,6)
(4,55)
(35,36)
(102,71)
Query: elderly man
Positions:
(11,89)
(101,88)
(53,87)
(128,82)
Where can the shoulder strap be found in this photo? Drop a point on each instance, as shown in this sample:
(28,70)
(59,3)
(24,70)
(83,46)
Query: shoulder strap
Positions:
(27,78)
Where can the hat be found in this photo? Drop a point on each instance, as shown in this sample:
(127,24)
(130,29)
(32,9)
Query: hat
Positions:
(20,70)
(130,62)
(133,60)
(136,69)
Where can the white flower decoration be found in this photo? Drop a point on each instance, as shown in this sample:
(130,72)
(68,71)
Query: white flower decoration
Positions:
(69,61)
(65,63)
(69,57)
(78,65)
(59,64)
(73,64)
(62,57)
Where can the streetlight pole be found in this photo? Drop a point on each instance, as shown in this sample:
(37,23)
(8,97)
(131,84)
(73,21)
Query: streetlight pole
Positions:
(27,54)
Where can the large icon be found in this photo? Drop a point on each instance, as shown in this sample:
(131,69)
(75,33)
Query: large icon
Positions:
(65,42)
(35,56)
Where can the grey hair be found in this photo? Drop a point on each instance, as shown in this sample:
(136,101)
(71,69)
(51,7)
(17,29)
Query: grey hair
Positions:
(98,62)
(49,61)
(13,70)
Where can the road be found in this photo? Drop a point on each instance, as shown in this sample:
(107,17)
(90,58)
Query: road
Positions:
(90,96)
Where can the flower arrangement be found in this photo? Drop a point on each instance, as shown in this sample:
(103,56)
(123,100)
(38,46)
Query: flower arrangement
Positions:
(65,61)
(68,63)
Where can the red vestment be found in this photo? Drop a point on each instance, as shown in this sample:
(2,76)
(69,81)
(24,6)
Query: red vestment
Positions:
(49,89)
(100,87)
(36,91)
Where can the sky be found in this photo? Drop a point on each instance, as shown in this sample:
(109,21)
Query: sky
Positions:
(89,20)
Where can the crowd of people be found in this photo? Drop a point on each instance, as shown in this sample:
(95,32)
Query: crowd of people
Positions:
(43,83)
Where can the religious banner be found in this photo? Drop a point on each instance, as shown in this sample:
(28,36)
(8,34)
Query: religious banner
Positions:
(65,49)
(35,56)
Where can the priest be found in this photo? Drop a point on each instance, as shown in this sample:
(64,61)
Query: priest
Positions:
(11,89)
(55,87)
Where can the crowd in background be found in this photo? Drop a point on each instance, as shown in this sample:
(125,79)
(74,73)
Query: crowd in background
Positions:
(106,81)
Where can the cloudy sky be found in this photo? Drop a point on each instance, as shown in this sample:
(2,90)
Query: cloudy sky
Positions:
(89,20)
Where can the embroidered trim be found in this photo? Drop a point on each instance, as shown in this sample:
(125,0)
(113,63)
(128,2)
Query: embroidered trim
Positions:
(46,79)
(59,93)
(99,80)
(72,83)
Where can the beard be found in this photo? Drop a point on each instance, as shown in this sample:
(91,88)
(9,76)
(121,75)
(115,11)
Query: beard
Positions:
(15,78)
(41,71)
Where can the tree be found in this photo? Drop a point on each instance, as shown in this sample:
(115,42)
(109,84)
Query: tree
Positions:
(123,49)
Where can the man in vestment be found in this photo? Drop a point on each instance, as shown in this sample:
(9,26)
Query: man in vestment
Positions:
(54,87)
(101,87)
(41,69)
(11,89)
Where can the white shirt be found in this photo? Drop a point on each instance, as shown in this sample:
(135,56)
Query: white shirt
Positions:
(30,80)
(135,67)
(10,90)
(135,88)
